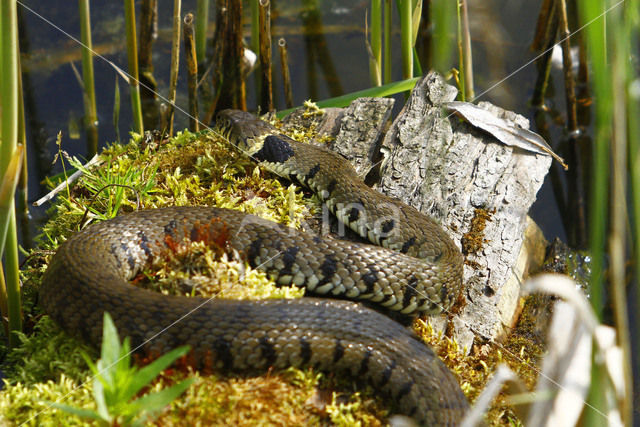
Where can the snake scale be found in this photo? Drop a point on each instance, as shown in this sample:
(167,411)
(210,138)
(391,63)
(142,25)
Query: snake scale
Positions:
(416,269)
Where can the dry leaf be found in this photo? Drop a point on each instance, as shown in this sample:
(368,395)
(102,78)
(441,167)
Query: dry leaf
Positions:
(504,130)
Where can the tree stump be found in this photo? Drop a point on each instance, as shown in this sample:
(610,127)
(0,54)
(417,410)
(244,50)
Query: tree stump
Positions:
(477,188)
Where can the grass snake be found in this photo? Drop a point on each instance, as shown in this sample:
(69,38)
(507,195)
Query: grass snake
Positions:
(416,269)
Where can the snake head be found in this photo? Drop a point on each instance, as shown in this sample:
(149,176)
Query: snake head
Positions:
(244,130)
(228,121)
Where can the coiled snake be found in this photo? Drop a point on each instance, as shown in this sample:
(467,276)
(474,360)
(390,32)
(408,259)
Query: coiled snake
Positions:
(421,271)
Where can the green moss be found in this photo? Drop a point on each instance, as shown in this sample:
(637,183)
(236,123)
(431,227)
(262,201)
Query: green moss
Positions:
(28,405)
(46,354)
(522,351)
(200,269)
(189,169)
(196,169)
(288,397)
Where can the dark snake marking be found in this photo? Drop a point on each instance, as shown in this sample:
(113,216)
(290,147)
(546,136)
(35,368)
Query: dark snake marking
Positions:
(89,273)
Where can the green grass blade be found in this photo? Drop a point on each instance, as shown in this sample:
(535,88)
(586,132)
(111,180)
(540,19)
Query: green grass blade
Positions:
(8,184)
(79,412)
(154,402)
(116,109)
(111,349)
(145,375)
(344,100)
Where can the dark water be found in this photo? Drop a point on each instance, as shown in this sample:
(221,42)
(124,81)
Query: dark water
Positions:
(501,34)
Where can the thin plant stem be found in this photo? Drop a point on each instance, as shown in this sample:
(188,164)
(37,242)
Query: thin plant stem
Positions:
(91,111)
(545,38)
(633,111)
(596,41)
(406,37)
(202,23)
(132,55)
(467,56)
(4,302)
(255,39)
(375,61)
(622,76)
(149,87)
(8,142)
(266,87)
(22,199)
(461,76)
(442,13)
(8,183)
(569,83)
(286,77)
(416,16)
(192,71)
(387,41)
(175,63)
(255,25)
(597,46)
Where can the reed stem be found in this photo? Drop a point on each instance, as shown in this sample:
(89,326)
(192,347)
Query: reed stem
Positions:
(175,64)
(266,87)
(230,89)
(91,112)
(192,71)
(148,86)
(375,60)
(466,60)
(387,41)
(569,82)
(202,23)
(255,25)
(22,197)
(406,37)
(596,36)
(442,14)
(8,142)
(132,55)
(286,77)
(545,38)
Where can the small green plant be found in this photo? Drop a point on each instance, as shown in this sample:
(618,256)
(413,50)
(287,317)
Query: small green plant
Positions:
(116,383)
(115,181)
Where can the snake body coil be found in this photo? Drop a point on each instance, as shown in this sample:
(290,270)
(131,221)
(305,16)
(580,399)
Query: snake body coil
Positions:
(88,276)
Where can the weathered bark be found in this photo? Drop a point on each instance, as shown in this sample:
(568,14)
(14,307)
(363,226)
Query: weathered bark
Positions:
(477,188)
(361,130)
(454,172)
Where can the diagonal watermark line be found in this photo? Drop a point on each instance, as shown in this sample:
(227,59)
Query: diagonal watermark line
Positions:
(122,72)
(502,347)
(540,55)
(249,155)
